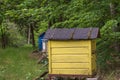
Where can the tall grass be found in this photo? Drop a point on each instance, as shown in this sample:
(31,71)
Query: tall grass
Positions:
(15,64)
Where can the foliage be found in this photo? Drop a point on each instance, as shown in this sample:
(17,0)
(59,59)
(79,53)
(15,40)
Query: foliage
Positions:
(15,38)
(106,44)
(44,14)
(108,30)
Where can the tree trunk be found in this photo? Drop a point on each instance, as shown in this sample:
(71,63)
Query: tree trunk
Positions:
(3,39)
(60,17)
(29,33)
(49,24)
(112,10)
(32,34)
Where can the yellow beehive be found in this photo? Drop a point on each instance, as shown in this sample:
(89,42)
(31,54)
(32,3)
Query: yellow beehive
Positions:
(69,54)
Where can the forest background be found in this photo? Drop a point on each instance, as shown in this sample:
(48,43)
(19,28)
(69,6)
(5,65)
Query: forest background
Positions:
(22,21)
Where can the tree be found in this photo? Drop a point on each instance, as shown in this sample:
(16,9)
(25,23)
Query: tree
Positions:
(5,5)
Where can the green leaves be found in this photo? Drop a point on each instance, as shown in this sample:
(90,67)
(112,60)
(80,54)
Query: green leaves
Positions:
(106,45)
(64,14)
(107,30)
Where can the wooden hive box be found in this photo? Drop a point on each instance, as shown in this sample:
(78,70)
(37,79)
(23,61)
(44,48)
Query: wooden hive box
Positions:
(72,51)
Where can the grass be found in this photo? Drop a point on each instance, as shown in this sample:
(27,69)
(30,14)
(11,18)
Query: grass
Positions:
(15,64)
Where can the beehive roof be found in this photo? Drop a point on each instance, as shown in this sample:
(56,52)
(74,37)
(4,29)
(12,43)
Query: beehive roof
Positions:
(72,34)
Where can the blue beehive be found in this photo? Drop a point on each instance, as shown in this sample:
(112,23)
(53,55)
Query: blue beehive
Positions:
(40,45)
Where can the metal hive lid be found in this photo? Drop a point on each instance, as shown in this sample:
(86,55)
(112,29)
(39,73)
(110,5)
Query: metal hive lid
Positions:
(72,34)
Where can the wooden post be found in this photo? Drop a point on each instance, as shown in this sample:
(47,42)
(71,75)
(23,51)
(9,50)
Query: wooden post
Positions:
(97,77)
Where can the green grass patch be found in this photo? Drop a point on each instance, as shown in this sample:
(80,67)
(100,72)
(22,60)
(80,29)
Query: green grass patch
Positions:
(15,64)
